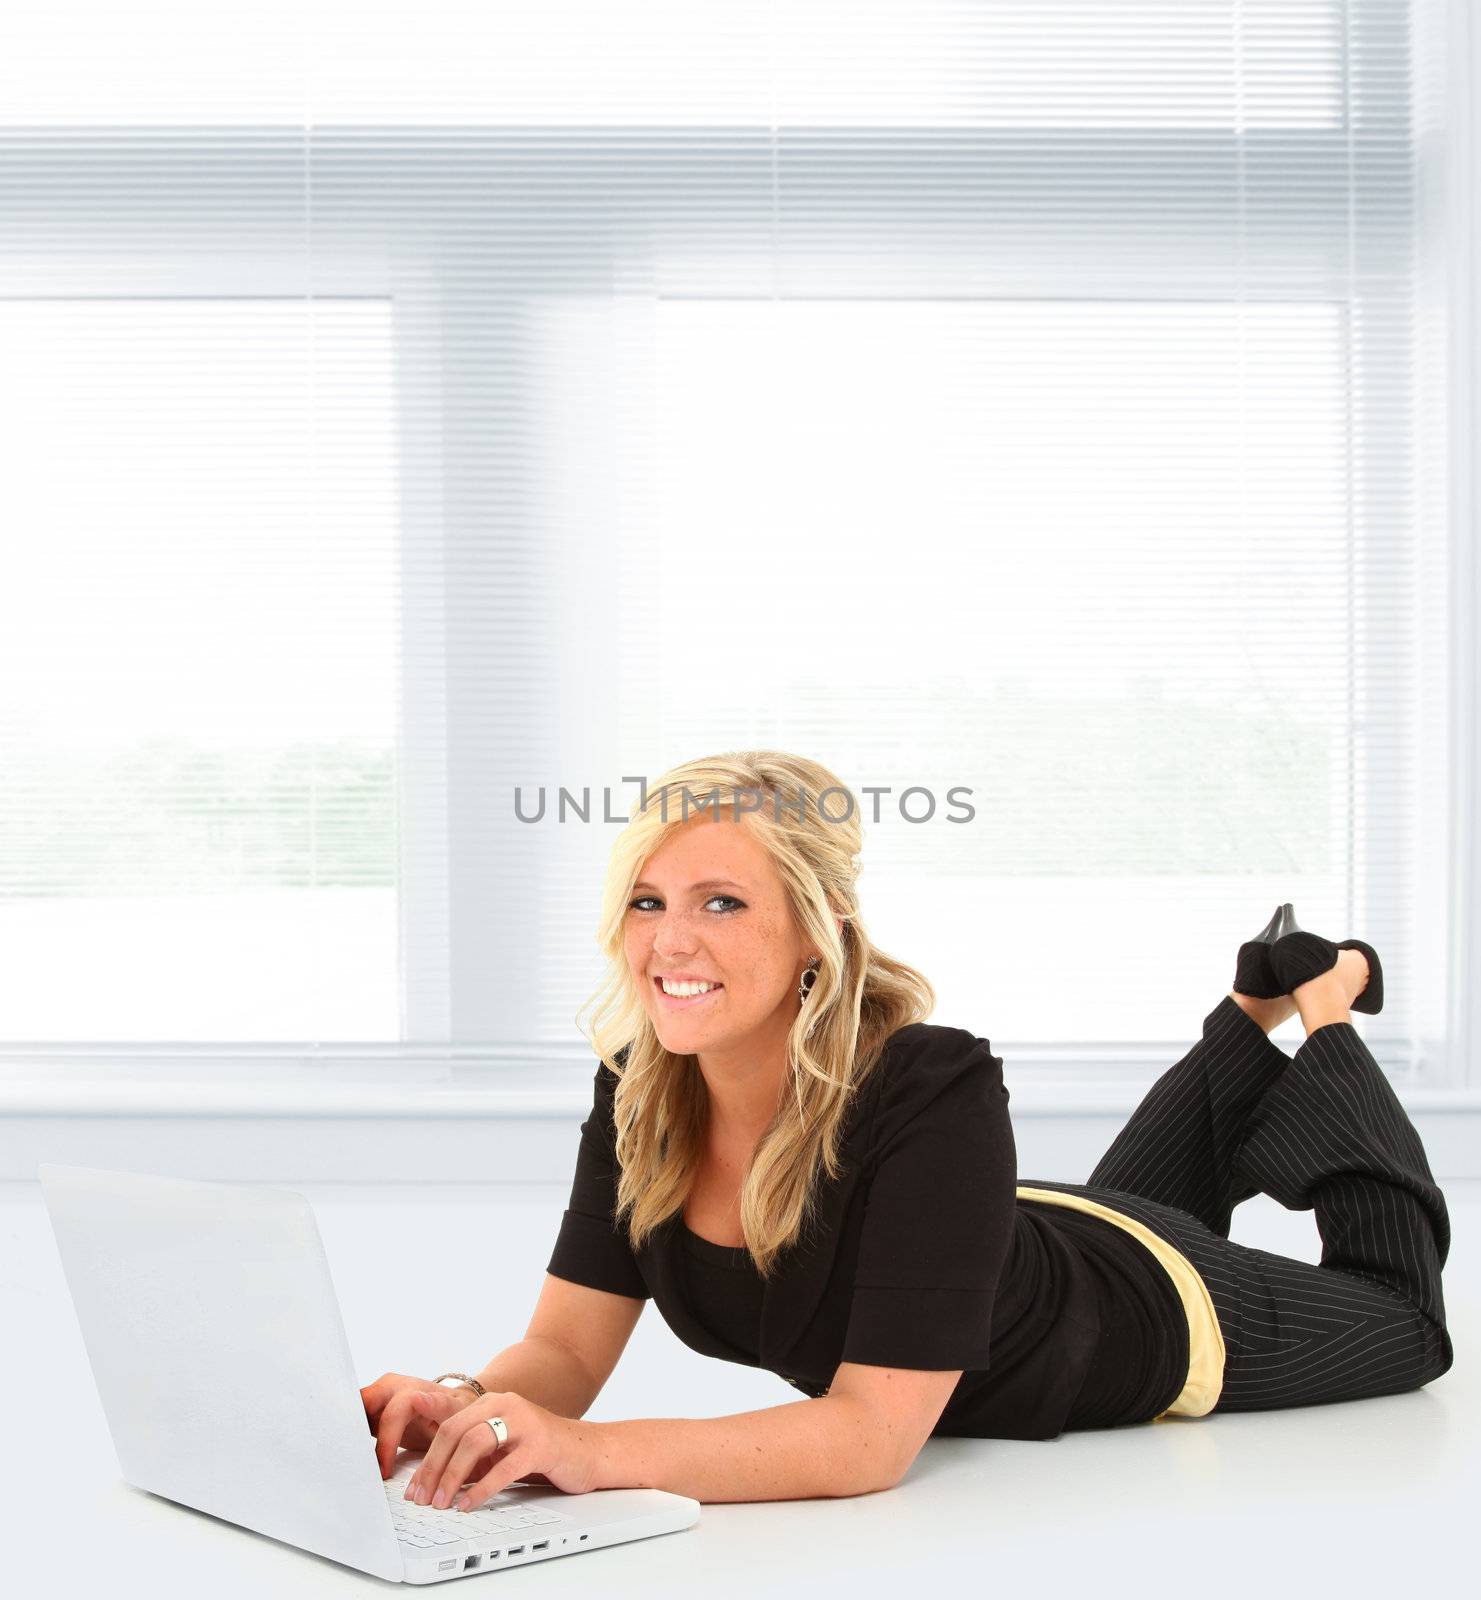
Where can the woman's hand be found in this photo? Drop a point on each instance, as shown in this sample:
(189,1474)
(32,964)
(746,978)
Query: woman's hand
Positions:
(561,1450)
(396,1422)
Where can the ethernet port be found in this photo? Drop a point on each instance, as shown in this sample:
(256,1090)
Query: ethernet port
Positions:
(472,1561)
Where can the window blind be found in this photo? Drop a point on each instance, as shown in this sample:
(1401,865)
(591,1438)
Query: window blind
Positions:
(410,406)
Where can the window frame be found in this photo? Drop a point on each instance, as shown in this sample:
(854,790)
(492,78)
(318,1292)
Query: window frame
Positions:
(383,251)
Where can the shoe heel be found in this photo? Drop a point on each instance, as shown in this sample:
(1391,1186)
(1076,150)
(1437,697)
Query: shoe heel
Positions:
(1254,973)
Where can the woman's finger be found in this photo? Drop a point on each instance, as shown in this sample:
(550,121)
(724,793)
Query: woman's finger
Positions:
(509,1468)
(461,1443)
(462,1467)
(440,1411)
(396,1418)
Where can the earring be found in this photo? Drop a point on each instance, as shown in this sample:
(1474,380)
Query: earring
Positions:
(808,979)
(804,989)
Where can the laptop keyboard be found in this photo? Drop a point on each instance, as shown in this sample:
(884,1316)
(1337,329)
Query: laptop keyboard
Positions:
(422,1527)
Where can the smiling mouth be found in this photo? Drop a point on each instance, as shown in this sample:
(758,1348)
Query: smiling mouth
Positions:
(683,1002)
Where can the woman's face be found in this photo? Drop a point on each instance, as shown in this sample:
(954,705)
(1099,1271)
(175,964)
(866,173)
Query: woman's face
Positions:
(710,906)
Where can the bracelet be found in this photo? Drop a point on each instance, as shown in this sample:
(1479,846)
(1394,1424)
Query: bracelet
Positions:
(463,1379)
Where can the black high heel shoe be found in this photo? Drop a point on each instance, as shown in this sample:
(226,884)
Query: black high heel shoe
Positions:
(1296,957)
(1254,973)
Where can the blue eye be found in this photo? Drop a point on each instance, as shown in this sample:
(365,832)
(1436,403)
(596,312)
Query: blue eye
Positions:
(650,899)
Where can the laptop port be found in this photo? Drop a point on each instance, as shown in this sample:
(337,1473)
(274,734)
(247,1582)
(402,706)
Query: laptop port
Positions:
(471,1561)
(516,1549)
(544,1544)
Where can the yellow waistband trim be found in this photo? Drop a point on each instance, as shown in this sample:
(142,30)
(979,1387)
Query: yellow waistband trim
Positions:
(1206,1355)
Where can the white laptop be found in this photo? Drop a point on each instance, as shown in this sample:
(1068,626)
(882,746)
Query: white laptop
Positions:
(216,1341)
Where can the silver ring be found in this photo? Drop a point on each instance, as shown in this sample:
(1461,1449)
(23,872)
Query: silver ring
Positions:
(501,1432)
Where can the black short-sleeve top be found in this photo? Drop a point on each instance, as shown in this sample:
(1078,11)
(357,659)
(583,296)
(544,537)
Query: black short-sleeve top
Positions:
(1135,1374)
(923,1256)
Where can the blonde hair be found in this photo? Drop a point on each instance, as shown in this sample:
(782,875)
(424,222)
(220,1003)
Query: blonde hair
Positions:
(861,996)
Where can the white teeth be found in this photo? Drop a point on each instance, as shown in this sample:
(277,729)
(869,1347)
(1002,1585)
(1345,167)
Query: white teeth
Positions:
(679,990)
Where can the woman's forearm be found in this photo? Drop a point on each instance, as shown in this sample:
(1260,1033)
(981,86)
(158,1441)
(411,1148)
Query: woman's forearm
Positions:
(545,1372)
(806,1450)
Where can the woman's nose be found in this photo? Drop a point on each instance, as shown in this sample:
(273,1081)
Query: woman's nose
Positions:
(673,937)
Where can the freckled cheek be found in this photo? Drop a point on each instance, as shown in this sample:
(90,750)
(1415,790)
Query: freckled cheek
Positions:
(759,955)
(637,948)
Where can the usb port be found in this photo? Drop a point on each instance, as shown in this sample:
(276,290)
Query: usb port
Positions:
(516,1549)
(544,1544)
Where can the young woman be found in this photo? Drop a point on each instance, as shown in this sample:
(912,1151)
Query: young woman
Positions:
(806,1176)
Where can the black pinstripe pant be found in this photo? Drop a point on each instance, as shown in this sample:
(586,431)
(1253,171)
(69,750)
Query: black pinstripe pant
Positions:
(1321,1130)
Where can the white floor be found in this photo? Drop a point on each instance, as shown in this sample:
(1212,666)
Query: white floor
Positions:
(1369,1498)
